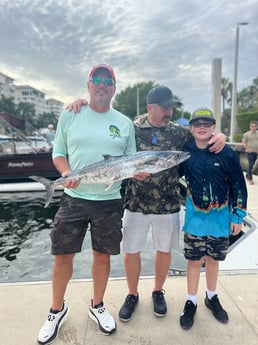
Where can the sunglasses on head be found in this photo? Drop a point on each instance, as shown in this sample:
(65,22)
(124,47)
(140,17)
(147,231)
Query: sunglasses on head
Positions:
(205,124)
(106,81)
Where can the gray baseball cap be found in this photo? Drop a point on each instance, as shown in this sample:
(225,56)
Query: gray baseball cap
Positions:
(161,95)
(204,114)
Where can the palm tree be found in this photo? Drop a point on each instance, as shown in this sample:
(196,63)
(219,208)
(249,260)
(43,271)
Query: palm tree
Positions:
(27,112)
(254,93)
(244,99)
(226,92)
(7,104)
(248,97)
(45,119)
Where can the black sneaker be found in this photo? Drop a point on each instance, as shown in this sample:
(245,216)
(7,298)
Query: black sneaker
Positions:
(128,307)
(218,312)
(187,317)
(159,303)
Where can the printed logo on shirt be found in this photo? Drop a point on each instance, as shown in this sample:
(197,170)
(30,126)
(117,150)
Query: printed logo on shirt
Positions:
(114,132)
(217,164)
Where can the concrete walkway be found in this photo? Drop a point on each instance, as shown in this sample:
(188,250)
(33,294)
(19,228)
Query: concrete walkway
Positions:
(24,307)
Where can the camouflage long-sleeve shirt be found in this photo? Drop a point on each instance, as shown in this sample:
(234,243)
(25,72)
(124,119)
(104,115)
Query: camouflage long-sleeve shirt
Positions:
(158,193)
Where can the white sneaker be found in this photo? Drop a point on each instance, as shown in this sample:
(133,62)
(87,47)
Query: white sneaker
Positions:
(50,328)
(101,316)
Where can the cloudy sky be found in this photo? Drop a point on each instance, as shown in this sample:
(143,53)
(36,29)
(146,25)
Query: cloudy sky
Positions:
(52,44)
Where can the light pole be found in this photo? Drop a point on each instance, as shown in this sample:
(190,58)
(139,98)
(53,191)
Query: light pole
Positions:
(137,101)
(234,91)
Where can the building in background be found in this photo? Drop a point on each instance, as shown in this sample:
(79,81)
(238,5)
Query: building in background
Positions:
(26,93)
(7,88)
(54,106)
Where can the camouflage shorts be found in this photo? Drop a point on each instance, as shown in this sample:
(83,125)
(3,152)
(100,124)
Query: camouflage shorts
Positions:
(196,247)
(73,218)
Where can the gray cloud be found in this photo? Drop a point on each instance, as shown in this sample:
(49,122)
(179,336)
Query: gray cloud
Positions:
(52,45)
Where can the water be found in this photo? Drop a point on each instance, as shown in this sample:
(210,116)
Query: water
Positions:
(25,226)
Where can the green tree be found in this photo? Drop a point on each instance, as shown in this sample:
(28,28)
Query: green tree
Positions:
(45,119)
(126,100)
(7,104)
(26,111)
(226,92)
(128,103)
(244,99)
(254,94)
(23,110)
(248,97)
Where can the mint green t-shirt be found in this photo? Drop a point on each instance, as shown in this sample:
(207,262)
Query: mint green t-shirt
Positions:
(83,137)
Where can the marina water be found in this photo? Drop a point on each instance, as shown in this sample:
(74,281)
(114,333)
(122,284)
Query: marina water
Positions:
(25,227)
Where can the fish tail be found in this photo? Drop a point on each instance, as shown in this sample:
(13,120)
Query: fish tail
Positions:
(50,188)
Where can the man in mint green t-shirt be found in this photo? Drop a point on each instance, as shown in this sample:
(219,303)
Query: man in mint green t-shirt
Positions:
(80,140)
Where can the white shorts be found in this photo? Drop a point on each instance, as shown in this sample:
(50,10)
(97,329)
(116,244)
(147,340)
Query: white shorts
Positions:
(165,231)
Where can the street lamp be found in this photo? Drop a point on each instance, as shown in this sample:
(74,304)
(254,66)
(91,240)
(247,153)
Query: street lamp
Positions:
(137,101)
(234,91)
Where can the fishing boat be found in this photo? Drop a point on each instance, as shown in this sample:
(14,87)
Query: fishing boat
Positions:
(21,156)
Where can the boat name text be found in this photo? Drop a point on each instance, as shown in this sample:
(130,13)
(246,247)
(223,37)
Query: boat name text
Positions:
(20,164)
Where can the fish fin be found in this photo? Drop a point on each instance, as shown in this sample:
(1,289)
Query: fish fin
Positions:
(40,179)
(107,156)
(108,186)
(48,185)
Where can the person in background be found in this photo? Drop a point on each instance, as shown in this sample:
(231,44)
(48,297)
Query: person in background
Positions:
(215,208)
(50,134)
(154,201)
(79,141)
(250,143)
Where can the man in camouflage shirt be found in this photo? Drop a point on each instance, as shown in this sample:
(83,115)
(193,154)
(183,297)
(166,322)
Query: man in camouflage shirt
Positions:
(158,193)
(154,201)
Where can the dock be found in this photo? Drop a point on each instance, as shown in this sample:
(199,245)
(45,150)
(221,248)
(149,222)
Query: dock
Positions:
(24,307)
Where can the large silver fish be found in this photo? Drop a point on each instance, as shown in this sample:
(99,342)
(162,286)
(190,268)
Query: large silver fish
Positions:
(117,168)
